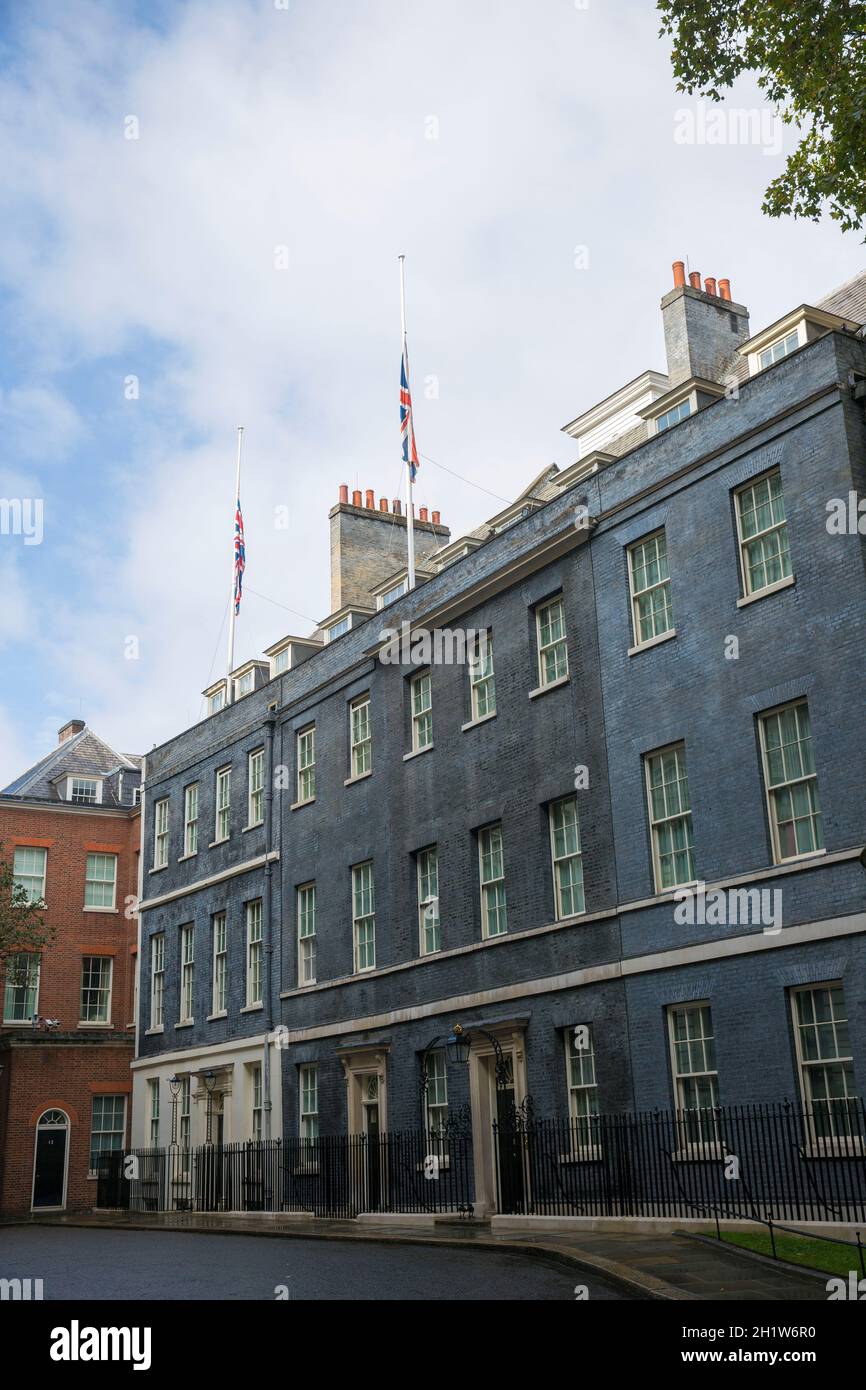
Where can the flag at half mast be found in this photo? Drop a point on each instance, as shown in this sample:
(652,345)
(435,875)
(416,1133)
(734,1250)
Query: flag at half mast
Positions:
(407,427)
(240,556)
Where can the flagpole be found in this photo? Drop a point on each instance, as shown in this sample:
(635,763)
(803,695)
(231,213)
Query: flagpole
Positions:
(231,651)
(410,519)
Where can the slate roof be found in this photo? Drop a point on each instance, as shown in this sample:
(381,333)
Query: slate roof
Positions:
(83,755)
(848,301)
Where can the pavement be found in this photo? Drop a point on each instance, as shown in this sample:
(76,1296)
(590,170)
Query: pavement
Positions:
(678,1266)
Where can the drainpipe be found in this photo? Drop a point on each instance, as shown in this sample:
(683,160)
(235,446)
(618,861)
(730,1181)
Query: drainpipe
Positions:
(267,937)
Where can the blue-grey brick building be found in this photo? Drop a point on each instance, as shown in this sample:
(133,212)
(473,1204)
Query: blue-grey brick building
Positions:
(610,825)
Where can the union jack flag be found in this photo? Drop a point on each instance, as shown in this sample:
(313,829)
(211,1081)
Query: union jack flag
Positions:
(240,556)
(407,428)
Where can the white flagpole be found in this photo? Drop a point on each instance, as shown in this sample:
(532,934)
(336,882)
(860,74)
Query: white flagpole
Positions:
(231,651)
(410,532)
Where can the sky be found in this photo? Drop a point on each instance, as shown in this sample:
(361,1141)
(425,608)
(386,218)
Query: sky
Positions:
(203,205)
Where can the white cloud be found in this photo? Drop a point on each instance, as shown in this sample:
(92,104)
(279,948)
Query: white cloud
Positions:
(261,127)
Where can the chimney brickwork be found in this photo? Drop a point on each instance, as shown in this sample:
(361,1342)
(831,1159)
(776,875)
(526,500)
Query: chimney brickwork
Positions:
(368,545)
(703,329)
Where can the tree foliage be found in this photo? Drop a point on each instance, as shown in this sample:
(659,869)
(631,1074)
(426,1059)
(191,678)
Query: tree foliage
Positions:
(809,57)
(22,923)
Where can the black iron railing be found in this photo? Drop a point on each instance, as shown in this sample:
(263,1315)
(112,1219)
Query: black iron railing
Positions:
(778,1160)
(335,1175)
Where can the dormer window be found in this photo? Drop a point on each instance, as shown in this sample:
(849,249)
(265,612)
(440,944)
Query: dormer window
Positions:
(391,594)
(86,791)
(339,628)
(244,684)
(280,662)
(674,415)
(216,700)
(779,349)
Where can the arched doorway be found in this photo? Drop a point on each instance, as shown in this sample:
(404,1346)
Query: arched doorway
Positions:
(51,1160)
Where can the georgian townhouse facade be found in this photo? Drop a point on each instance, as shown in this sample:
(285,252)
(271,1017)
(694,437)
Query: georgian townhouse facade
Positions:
(70,829)
(608,830)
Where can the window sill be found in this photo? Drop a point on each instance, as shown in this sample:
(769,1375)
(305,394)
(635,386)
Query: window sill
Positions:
(223,841)
(587,1155)
(158,869)
(552,685)
(473,723)
(251,1008)
(296,805)
(311,1171)
(151,1032)
(653,642)
(699,1153)
(785,583)
(416,752)
(108,910)
(186,1023)
(257,826)
(88,1023)
(183,857)
(799,858)
(305,984)
(817,1150)
(360,777)
(221,1013)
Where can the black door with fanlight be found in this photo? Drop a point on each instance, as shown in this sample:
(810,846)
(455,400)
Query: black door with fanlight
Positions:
(49,1164)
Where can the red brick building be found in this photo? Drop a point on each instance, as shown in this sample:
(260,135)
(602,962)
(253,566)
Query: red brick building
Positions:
(70,826)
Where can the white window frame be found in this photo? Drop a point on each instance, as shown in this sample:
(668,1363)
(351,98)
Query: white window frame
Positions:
(280,661)
(421,703)
(305,745)
(824,1144)
(308,1115)
(160,832)
(113,1148)
(779,528)
(153,1111)
(92,881)
(30,985)
(255,788)
(436,1094)
(219,979)
(560,857)
(245,684)
(223,800)
(427,880)
(254,953)
(100,989)
(187,973)
(668,418)
(582,1095)
(482,678)
(706,1140)
(23,877)
(788,343)
(78,797)
(360,748)
(184,1111)
(157,980)
(216,701)
(658,823)
(305,901)
(544,679)
(363,885)
(773,789)
(190,820)
(661,585)
(256,1102)
(488,837)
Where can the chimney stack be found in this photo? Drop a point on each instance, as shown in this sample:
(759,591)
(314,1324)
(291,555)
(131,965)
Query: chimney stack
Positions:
(703,328)
(365,551)
(69,730)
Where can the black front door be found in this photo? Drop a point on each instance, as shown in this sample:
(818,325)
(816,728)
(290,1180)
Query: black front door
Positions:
(50,1167)
(512,1197)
